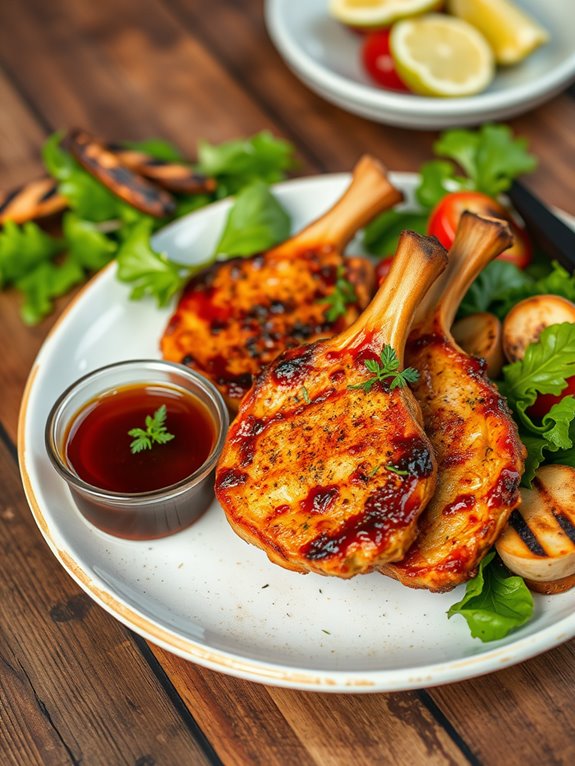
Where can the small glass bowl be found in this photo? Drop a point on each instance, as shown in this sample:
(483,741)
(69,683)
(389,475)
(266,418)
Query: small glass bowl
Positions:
(139,515)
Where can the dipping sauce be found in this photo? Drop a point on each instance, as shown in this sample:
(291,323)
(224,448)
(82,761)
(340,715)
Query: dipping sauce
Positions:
(147,493)
(98,443)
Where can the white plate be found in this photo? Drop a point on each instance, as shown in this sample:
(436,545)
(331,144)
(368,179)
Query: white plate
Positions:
(325,56)
(206,595)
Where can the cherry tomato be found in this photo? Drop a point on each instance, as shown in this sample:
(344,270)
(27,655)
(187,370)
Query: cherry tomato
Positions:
(382,269)
(378,61)
(544,402)
(446,214)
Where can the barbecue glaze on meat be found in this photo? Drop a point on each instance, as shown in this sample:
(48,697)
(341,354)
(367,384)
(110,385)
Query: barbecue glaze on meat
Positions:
(479,455)
(323,477)
(237,316)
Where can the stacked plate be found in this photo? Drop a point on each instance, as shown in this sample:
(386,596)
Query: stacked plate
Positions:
(326,57)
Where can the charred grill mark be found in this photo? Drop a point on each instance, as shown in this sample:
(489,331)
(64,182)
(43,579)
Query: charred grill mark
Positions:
(176,176)
(292,368)
(123,182)
(566,524)
(519,524)
(562,519)
(505,492)
(8,197)
(415,456)
(245,437)
(228,478)
(320,499)
(49,193)
(389,508)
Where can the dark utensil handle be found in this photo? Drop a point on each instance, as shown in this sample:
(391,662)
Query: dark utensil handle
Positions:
(555,238)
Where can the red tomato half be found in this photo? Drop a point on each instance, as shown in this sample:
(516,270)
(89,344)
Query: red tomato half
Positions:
(446,214)
(378,61)
(544,402)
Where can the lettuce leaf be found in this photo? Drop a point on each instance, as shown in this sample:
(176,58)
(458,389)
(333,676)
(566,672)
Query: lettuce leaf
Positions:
(490,157)
(494,603)
(22,249)
(381,236)
(491,288)
(256,221)
(544,369)
(237,163)
(150,273)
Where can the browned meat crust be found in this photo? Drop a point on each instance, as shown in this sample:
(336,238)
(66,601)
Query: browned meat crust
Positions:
(324,477)
(238,315)
(479,454)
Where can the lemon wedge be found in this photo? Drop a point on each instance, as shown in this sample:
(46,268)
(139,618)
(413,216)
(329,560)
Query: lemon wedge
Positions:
(378,13)
(438,55)
(512,34)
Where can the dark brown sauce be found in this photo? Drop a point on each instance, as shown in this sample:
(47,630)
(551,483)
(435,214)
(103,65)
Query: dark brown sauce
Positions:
(98,442)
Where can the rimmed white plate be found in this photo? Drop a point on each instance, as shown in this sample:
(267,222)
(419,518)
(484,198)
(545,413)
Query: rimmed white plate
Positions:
(326,57)
(206,595)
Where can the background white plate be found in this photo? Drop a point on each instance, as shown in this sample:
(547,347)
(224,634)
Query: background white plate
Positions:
(206,595)
(325,56)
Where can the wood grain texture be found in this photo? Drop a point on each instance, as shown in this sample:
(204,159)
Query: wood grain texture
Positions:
(124,70)
(521,715)
(274,726)
(74,688)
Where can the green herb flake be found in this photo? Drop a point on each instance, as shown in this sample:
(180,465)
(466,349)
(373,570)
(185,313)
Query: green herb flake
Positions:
(387,371)
(343,295)
(395,469)
(305,394)
(154,433)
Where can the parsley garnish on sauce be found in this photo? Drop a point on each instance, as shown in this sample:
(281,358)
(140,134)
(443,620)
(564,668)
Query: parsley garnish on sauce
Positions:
(387,370)
(154,433)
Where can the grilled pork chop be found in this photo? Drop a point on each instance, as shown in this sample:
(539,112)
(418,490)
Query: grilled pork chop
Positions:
(237,316)
(323,468)
(479,455)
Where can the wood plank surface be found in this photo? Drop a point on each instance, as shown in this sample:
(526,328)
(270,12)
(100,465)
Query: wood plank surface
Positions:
(75,685)
(280,726)
(74,688)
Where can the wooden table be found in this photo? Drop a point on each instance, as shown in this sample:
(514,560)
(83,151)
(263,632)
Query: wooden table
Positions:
(75,685)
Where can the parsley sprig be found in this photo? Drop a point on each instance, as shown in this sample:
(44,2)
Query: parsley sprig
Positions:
(155,432)
(387,370)
(343,295)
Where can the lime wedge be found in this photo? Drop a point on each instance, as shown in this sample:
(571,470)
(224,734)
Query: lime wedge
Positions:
(378,13)
(512,34)
(438,55)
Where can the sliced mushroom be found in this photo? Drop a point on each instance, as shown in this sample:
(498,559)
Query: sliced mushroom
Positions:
(132,187)
(527,320)
(480,335)
(33,200)
(539,541)
(175,176)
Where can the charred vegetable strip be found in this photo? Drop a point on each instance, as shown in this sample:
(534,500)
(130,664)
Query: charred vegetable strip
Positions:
(132,187)
(36,199)
(174,176)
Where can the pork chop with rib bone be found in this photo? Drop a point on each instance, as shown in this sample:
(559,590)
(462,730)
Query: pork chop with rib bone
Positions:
(324,468)
(479,454)
(238,315)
